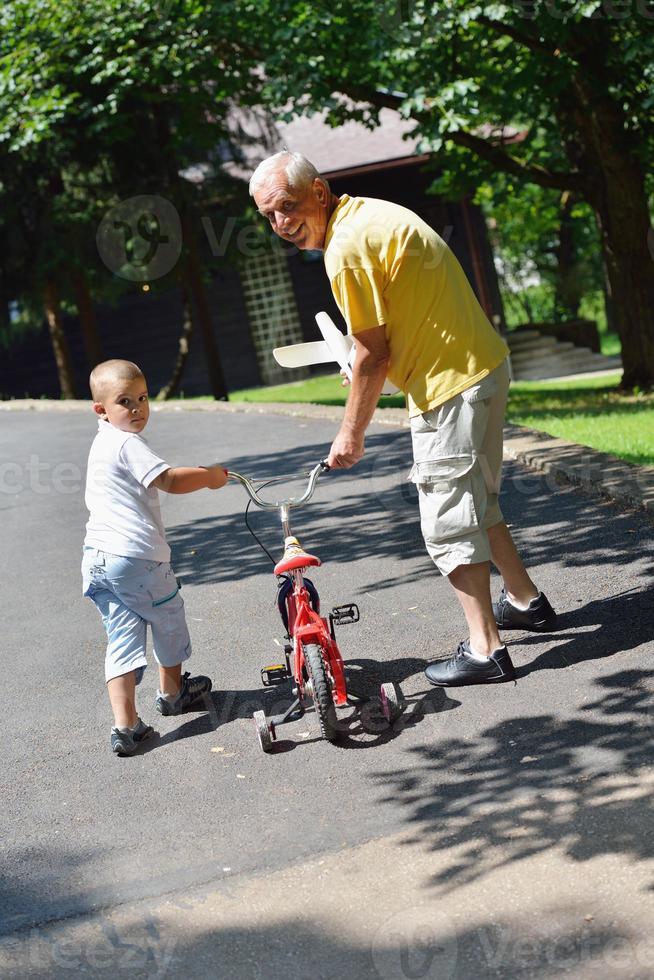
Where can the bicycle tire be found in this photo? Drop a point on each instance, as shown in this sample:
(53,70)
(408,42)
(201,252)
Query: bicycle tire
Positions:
(322,693)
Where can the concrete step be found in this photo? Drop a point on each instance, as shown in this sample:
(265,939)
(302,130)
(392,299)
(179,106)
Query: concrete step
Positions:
(524,334)
(546,351)
(536,356)
(522,342)
(558,368)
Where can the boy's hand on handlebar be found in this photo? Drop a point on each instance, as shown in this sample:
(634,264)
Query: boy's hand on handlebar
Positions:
(216,477)
(346,450)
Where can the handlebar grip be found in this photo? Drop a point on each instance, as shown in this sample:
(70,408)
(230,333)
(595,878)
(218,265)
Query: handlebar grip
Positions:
(325,465)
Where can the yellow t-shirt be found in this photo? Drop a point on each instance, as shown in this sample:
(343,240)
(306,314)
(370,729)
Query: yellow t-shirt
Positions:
(387,266)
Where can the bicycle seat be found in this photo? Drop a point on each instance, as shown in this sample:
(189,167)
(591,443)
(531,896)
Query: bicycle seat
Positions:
(295,557)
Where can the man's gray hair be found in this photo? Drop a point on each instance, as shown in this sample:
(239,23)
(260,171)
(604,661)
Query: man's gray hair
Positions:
(299,171)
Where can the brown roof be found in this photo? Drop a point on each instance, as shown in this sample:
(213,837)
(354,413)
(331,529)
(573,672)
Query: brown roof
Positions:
(350,145)
(332,150)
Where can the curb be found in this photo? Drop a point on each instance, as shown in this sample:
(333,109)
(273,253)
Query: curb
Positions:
(595,472)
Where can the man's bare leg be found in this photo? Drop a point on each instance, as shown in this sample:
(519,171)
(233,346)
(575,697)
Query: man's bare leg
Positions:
(508,562)
(472,586)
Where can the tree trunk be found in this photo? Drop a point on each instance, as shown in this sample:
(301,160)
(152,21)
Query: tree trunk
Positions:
(59,341)
(624,226)
(611,155)
(609,307)
(192,264)
(201,312)
(87,321)
(182,351)
(568,287)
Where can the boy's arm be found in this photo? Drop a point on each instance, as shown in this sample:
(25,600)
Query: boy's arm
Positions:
(186,479)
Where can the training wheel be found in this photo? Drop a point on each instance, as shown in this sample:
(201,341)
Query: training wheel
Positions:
(391,701)
(263,730)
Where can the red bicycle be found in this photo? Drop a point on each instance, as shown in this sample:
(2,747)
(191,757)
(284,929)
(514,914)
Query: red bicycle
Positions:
(313,660)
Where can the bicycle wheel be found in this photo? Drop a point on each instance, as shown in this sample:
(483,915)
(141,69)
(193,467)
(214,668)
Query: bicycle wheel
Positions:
(392,702)
(322,692)
(263,730)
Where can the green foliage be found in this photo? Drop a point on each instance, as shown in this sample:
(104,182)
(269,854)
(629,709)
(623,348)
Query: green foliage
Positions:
(101,101)
(525,225)
(457,66)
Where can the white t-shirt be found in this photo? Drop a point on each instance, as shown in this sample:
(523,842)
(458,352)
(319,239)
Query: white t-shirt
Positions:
(124,512)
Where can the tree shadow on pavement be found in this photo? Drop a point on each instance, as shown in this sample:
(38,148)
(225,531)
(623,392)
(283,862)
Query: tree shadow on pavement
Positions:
(624,622)
(533,783)
(418,941)
(371,512)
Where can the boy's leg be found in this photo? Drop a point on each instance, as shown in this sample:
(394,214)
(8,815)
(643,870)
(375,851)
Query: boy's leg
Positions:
(122,695)
(126,631)
(171,644)
(170,679)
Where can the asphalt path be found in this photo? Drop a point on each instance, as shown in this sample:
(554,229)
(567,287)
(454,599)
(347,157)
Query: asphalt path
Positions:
(81,830)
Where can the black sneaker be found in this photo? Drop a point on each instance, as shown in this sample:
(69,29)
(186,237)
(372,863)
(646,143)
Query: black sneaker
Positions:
(538,617)
(462,670)
(191,691)
(126,741)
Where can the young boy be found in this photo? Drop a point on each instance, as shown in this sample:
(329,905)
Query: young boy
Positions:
(126,562)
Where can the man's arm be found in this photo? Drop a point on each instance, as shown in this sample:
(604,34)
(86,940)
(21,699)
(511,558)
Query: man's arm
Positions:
(368,376)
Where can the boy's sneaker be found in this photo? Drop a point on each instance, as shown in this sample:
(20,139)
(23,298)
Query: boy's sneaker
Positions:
(125,741)
(191,691)
(538,616)
(463,669)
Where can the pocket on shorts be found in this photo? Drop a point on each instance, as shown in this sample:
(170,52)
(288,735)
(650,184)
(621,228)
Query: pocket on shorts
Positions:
(163,589)
(93,570)
(484,389)
(427,422)
(440,471)
(447,502)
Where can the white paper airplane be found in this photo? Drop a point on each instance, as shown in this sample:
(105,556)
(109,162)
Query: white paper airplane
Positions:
(336,346)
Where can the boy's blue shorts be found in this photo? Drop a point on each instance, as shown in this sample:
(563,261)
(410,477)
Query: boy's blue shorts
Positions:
(131,593)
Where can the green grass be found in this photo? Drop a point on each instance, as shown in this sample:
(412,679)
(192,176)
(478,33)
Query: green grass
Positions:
(590,412)
(323,390)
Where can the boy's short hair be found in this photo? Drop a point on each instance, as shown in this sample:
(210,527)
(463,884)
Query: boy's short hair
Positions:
(110,371)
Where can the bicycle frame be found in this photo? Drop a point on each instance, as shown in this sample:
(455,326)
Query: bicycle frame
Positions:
(318,670)
(305,624)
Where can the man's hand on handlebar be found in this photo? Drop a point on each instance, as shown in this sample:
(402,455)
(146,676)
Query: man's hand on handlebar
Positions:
(346,450)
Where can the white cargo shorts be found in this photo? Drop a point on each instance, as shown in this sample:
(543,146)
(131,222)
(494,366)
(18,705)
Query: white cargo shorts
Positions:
(457,452)
(130,594)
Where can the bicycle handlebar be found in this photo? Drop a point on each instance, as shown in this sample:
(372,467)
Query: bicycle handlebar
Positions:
(319,468)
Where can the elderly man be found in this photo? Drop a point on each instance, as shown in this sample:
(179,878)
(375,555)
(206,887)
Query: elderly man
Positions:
(415,318)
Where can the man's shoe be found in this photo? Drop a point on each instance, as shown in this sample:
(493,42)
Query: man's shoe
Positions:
(462,669)
(538,617)
(125,741)
(191,691)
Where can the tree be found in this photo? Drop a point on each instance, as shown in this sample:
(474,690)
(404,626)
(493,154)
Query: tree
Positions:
(576,79)
(116,99)
(542,238)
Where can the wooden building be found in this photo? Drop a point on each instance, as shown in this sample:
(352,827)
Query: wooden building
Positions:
(269,299)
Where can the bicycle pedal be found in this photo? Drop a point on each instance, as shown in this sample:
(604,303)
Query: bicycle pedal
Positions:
(274,674)
(348,613)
